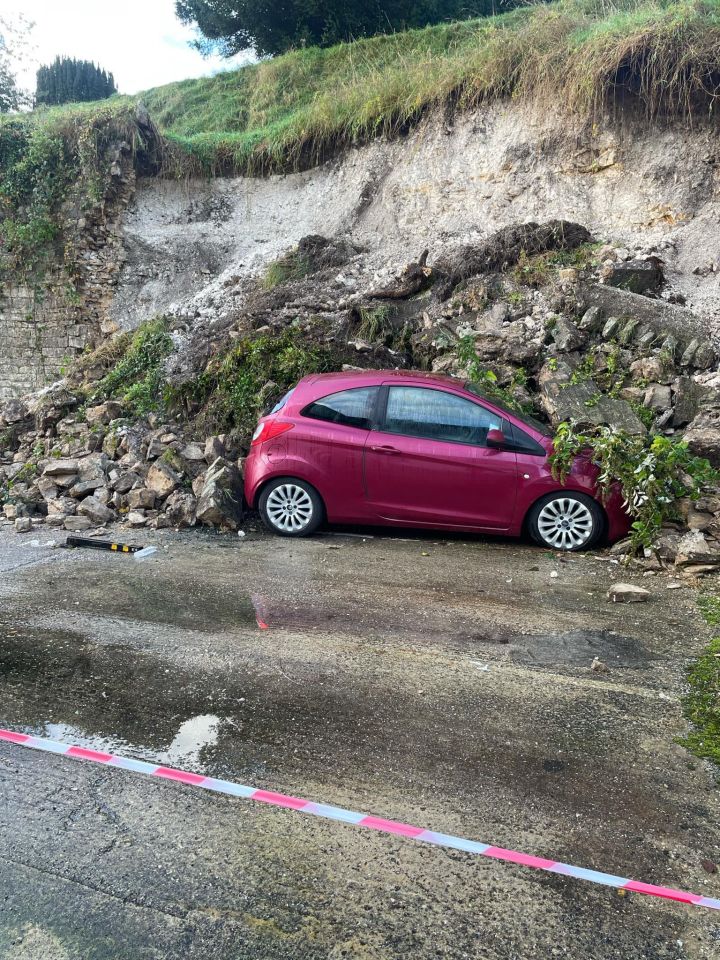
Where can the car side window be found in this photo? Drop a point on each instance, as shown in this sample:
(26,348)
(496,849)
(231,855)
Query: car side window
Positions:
(437,415)
(351,408)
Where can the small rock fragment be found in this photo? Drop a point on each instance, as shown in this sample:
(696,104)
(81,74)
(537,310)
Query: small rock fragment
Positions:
(627,593)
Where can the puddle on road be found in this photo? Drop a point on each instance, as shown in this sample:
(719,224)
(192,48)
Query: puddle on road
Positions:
(191,739)
(193,736)
(578,648)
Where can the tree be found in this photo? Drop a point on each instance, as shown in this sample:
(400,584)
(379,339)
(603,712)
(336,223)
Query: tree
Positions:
(13,42)
(72,81)
(229,26)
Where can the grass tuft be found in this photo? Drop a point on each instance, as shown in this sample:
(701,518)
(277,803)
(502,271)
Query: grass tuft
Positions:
(702,703)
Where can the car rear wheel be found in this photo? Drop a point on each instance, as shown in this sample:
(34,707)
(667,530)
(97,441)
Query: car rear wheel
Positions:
(290,507)
(566,521)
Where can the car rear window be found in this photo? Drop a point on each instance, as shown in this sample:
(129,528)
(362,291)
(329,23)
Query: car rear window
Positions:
(350,408)
(281,402)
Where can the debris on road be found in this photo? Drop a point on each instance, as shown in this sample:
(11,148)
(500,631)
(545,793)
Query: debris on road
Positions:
(105,545)
(627,593)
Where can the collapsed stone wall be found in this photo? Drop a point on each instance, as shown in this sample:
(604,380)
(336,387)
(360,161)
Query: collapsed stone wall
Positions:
(628,183)
(192,248)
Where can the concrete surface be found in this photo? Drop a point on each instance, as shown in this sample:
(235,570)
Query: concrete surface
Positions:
(446,683)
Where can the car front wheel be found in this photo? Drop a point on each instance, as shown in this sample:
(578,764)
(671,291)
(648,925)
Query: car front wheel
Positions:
(566,521)
(290,507)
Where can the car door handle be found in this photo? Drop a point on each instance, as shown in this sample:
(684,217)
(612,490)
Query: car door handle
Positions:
(384,448)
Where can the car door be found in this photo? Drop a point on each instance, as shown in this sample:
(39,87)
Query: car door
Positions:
(332,441)
(428,462)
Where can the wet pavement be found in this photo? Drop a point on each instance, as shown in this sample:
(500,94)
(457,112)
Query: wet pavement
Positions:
(442,683)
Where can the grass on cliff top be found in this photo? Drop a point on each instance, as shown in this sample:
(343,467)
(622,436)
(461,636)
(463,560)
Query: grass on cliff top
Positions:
(702,704)
(571,56)
(576,56)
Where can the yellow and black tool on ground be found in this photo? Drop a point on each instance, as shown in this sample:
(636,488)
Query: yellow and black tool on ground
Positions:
(103,545)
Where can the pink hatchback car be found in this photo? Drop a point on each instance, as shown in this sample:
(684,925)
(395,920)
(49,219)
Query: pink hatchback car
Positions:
(398,448)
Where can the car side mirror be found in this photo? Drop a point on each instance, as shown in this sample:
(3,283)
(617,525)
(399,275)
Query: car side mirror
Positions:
(496,439)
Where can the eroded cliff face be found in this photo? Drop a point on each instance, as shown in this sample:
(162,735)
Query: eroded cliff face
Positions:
(188,248)
(649,188)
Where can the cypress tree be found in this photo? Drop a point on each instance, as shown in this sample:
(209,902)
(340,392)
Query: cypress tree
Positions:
(67,80)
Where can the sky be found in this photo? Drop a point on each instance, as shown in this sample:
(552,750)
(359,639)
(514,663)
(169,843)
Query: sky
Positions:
(140,41)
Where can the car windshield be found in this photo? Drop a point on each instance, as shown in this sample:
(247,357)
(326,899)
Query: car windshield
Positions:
(522,417)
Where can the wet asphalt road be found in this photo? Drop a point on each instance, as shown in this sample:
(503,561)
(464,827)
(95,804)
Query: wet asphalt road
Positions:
(445,684)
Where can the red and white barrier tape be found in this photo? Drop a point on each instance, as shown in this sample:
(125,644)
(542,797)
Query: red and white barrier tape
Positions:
(359,819)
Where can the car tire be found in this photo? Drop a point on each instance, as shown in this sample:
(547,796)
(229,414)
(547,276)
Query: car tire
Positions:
(566,520)
(290,507)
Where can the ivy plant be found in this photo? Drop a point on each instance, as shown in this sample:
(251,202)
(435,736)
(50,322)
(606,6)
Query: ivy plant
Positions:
(653,472)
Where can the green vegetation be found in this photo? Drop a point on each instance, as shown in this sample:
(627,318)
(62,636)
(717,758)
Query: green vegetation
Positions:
(487,380)
(291,266)
(702,703)
(136,378)
(653,471)
(580,54)
(48,160)
(295,110)
(238,385)
(68,80)
(538,270)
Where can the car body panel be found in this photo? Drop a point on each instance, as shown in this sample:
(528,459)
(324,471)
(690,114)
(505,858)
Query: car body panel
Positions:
(421,482)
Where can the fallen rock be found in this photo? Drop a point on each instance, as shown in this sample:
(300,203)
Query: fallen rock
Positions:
(62,507)
(584,402)
(96,511)
(141,499)
(77,523)
(636,276)
(703,435)
(214,448)
(61,468)
(103,413)
(688,396)
(658,398)
(23,525)
(220,501)
(567,336)
(694,549)
(193,452)
(136,518)
(627,593)
(180,508)
(162,479)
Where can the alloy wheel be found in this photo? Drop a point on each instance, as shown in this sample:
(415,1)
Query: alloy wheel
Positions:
(289,508)
(565,523)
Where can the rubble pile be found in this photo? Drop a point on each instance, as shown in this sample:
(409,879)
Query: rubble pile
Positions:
(564,326)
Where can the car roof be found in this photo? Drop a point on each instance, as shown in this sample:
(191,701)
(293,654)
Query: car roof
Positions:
(379,376)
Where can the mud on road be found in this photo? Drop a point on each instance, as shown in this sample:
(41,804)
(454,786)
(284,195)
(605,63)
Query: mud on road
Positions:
(441,683)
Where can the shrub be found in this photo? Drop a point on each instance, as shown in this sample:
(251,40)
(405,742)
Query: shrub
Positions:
(653,472)
(236,386)
(137,377)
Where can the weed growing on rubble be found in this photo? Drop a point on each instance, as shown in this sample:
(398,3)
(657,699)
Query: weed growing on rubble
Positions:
(238,385)
(653,472)
(136,379)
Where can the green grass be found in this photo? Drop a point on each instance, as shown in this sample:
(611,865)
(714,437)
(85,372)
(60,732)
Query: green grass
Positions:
(702,704)
(575,57)
(572,55)
(291,266)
